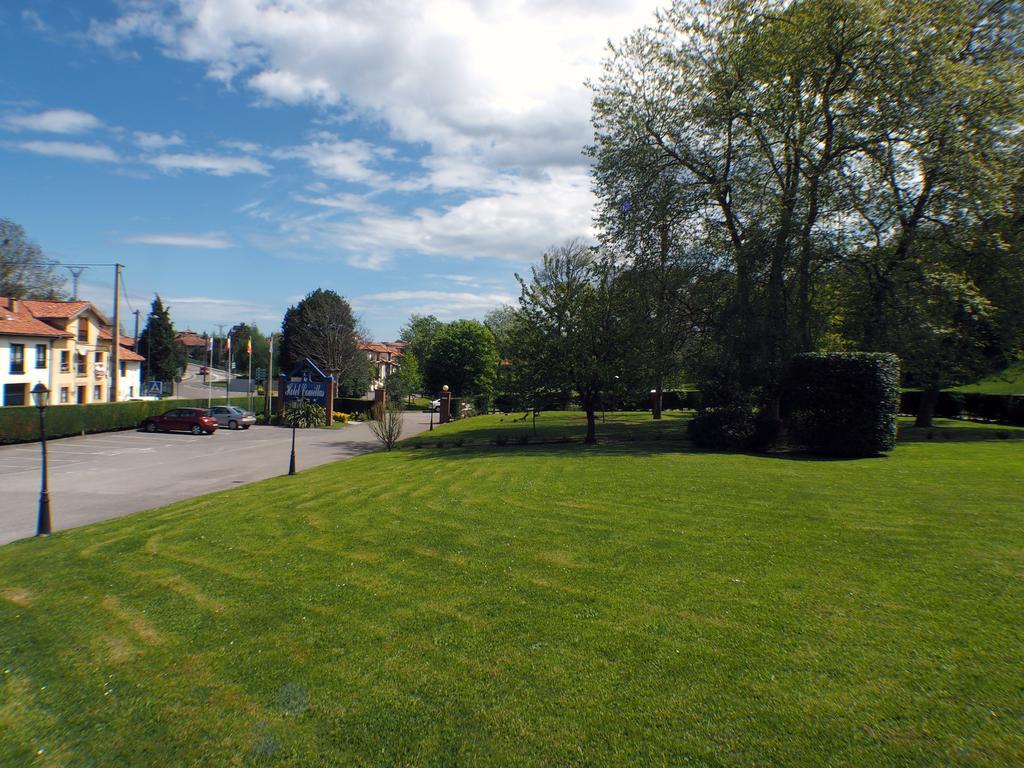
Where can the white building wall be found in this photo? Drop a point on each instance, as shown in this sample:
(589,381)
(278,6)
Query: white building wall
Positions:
(130,385)
(31,375)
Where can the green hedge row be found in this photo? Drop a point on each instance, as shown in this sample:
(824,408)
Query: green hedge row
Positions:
(20,424)
(1005,409)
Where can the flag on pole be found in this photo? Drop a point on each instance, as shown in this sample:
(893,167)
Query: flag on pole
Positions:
(248,346)
(209,344)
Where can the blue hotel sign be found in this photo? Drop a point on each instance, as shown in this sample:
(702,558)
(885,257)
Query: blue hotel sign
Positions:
(306,390)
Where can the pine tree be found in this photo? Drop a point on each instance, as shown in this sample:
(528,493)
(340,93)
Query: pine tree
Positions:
(165,356)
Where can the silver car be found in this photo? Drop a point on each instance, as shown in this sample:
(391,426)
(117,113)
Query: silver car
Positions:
(232,417)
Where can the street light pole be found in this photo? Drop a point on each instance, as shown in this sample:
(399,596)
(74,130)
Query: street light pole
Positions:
(291,464)
(41,394)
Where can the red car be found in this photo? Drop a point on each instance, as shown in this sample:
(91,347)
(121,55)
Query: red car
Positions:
(194,420)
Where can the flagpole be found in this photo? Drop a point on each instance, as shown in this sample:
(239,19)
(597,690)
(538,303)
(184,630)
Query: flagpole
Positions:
(209,376)
(248,349)
(227,372)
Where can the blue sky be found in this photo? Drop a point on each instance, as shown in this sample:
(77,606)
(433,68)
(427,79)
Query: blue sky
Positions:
(236,155)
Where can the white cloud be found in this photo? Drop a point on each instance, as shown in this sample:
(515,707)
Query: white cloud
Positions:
(249,147)
(74,150)
(443,304)
(488,95)
(343,160)
(54,121)
(34,21)
(157,140)
(209,240)
(218,165)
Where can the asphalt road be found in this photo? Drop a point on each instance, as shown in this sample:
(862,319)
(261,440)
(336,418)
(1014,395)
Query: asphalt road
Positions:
(98,477)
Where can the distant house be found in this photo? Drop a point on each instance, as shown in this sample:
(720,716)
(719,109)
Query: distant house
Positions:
(66,345)
(386,358)
(194,344)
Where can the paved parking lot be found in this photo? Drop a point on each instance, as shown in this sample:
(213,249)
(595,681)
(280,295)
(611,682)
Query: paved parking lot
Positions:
(98,477)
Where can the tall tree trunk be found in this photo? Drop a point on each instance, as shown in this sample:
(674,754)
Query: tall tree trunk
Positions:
(591,437)
(926,410)
(656,400)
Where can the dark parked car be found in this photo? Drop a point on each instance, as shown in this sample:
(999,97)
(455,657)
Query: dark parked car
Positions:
(194,420)
(232,417)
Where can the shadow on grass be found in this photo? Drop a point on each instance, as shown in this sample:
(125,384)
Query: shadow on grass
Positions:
(468,448)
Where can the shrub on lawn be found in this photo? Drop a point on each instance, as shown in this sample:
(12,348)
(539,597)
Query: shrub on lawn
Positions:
(727,428)
(843,404)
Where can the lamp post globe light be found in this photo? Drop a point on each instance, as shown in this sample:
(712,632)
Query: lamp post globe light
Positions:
(41,396)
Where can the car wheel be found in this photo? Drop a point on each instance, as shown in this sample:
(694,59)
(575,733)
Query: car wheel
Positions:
(247,426)
(232,424)
(151,427)
(196,429)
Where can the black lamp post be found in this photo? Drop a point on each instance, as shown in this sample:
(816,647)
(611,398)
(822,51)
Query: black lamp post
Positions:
(40,396)
(291,464)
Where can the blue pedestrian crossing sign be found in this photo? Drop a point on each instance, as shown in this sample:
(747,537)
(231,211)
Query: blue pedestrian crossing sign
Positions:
(154,388)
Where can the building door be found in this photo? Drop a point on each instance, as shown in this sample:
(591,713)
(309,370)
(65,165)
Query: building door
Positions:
(81,395)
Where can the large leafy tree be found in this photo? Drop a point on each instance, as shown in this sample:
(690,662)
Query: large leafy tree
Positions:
(165,355)
(322,328)
(25,272)
(790,137)
(463,356)
(418,334)
(575,336)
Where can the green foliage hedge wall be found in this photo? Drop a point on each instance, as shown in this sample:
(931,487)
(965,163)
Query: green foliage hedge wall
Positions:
(20,424)
(843,404)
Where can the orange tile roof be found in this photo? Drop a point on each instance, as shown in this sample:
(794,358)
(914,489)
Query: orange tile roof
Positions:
(126,341)
(55,309)
(20,322)
(130,355)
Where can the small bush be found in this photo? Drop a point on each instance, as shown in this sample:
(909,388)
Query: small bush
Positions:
(843,404)
(725,429)
(304,414)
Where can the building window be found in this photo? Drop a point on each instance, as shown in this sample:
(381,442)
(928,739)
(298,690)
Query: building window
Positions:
(14,394)
(40,355)
(65,362)
(99,358)
(83,364)
(124,368)
(80,395)
(131,391)
(17,358)
(97,393)
(83,329)
(65,395)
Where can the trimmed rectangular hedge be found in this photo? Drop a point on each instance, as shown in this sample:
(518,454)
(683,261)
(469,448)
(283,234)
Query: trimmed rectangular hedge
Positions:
(843,404)
(1004,409)
(20,424)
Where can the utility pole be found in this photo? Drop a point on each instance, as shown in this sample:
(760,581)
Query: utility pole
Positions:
(115,336)
(136,346)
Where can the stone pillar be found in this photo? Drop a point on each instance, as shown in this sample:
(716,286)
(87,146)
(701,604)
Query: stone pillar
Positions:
(445,414)
(332,386)
(380,397)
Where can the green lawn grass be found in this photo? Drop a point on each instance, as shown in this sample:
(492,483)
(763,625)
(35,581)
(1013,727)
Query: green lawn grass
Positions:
(632,603)
(1008,382)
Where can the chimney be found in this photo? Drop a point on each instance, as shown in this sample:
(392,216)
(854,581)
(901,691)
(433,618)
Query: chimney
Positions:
(14,306)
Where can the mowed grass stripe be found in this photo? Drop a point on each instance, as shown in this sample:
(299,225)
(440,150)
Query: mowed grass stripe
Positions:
(633,603)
